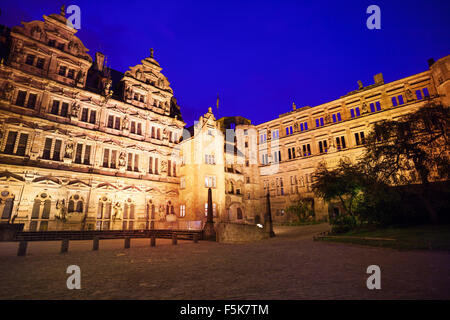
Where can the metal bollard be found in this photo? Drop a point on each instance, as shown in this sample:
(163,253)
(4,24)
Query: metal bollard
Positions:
(64,245)
(152,241)
(195,237)
(127,242)
(174,238)
(95,243)
(22,251)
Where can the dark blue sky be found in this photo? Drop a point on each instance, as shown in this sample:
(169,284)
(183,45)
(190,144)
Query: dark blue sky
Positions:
(258,55)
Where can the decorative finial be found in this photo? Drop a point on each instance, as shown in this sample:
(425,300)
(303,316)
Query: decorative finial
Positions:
(63,10)
(151,52)
(210,110)
(294,106)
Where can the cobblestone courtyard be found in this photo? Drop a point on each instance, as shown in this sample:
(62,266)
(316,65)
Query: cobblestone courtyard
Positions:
(290,266)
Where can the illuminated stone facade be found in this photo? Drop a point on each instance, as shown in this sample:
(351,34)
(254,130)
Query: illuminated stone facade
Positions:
(291,147)
(83,146)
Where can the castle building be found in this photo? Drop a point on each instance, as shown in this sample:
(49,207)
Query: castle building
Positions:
(83,146)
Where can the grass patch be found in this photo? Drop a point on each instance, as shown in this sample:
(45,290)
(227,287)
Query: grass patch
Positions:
(426,237)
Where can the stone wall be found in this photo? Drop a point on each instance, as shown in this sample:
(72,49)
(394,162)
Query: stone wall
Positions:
(238,232)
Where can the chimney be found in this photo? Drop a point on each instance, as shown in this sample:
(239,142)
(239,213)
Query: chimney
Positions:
(99,61)
(378,78)
(430,62)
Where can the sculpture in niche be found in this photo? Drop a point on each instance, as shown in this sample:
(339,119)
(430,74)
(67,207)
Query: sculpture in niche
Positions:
(163,166)
(125,123)
(296,126)
(61,210)
(327,118)
(118,210)
(122,159)
(331,147)
(69,150)
(80,77)
(7,93)
(409,95)
(364,108)
(75,110)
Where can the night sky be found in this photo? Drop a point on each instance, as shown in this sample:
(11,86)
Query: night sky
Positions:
(258,56)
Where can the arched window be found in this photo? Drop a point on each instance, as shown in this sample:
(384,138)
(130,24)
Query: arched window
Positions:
(104,213)
(40,212)
(6,205)
(76,204)
(128,215)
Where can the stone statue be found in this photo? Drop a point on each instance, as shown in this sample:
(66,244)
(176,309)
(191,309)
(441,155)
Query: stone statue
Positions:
(118,210)
(75,110)
(7,92)
(296,127)
(125,123)
(409,95)
(122,159)
(163,166)
(331,147)
(61,210)
(69,150)
(327,118)
(80,77)
(364,108)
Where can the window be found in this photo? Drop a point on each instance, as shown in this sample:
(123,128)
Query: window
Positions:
(30,59)
(113,122)
(289,130)
(14,145)
(319,122)
(88,115)
(262,138)
(210,181)
(323,146)
(276,156)
(264,158)
(209,159)
(52,149)
(110,158)
(21,96)
(84,114)
(70,74)
(92,116)
(280,188)
(133,162)
(206,209)
(82,154)
(355,112)
(303,126)
(182,210)
(359,138)
(375,106)
(398,100)
(62,71)
(306,148)
(275,134)
(426,94)
(340,143)
(294,185)
(40,63)
(31,100)
(182,183)
(336,117)
(57,111)
(291,153)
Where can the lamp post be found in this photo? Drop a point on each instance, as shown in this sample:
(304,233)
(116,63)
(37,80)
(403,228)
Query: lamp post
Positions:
(268,218)
(208,231)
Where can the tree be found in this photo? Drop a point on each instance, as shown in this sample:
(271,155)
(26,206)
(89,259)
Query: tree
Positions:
(412,150)
(302,209)
(345,183)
